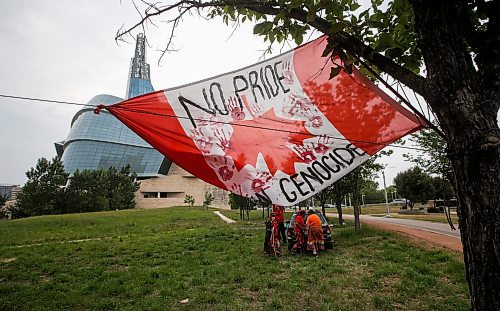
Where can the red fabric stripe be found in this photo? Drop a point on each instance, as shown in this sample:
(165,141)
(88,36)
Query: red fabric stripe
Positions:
(146,116)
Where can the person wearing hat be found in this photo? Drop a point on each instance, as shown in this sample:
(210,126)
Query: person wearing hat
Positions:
(298,230)
(315,238)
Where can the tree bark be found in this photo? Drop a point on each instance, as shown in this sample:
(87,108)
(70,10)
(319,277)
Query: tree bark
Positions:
(355,195)
(339,210)
(466,104)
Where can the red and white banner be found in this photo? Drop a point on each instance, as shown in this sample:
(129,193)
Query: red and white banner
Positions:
(278,130)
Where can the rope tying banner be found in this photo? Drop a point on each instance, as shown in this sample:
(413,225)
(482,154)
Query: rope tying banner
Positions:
(98,108)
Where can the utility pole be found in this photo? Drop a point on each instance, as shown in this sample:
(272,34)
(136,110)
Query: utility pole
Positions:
(385,191)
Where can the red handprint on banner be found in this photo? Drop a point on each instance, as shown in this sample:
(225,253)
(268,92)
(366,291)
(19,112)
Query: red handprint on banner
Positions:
(287,72)
(224,142)
(322,146)
(234,108)
(204,143)
(254,108)
(223,166)
(236,188)
(259,181)
(316,121)
(299,105)
(306,154)
(202,122)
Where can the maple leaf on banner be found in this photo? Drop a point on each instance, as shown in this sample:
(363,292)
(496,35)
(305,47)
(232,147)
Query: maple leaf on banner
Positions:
(269,135)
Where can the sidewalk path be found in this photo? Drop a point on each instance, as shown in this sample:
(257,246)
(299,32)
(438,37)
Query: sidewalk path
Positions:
(226,219)
(433,232)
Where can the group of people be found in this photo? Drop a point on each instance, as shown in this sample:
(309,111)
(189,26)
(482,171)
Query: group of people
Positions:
(310,228)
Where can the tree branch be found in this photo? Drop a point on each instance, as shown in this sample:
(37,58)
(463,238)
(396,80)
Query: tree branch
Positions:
(347,41)
(350,43)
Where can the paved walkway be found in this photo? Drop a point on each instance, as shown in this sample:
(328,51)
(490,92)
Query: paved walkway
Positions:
(434,232)
(226,219)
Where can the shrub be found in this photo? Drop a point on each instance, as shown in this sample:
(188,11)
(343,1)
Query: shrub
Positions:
(189,200)
(209,198)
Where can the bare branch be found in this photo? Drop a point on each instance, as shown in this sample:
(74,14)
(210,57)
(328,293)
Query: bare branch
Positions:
(347,41)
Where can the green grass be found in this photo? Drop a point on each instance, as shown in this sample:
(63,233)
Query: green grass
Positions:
(153,259)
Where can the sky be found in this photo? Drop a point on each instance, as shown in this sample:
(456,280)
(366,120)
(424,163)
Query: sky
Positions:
(65,50)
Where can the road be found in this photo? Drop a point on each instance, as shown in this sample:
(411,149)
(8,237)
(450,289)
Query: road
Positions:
(433,232)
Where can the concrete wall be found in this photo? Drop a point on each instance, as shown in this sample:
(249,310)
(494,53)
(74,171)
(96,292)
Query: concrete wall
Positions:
(175,186)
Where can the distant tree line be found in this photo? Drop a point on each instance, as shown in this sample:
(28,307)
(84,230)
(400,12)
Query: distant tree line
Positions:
(51,191)
(417,186)
(243,204)
(3,211)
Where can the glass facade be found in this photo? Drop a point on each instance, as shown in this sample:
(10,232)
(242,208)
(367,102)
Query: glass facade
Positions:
(101,140)
(138,86)
(139,81)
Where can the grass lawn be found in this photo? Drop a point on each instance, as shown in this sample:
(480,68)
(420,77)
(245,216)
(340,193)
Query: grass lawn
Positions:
(153,259)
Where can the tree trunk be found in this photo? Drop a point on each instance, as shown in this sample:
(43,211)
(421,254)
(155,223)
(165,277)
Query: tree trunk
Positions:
(355,195)
(466,101)
(339,210)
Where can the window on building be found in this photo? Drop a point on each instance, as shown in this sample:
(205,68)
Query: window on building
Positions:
(150,195)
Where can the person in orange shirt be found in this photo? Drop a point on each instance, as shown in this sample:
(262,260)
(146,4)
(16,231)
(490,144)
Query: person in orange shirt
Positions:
(315,238)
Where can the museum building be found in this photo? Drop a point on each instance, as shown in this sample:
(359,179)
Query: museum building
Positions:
(102,141)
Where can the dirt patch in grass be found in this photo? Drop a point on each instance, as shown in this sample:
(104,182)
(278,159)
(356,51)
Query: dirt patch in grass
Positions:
(7,260)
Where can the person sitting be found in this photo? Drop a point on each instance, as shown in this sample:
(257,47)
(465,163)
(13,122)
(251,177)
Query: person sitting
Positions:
(315,238)
(298,230)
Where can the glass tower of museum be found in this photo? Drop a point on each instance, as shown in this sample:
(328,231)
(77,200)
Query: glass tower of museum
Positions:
(103,141)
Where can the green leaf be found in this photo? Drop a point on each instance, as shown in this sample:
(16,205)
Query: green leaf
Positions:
(311,16)
(334,71)
(279,37)
(394,53)
(327,51)
(271,38)
(337,27)
(298,39)
(268,26)
(385,40)
(257,29)
(354,6)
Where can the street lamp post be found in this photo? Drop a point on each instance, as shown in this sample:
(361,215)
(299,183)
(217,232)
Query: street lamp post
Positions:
(385,191)
(363,199)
